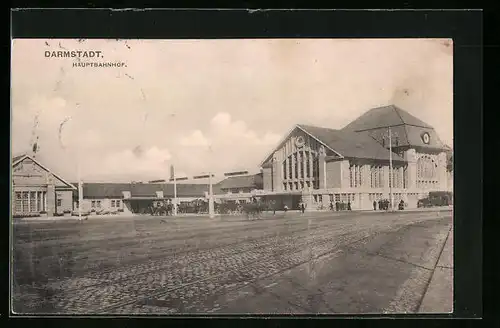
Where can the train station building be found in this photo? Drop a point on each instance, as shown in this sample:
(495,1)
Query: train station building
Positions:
(319,165)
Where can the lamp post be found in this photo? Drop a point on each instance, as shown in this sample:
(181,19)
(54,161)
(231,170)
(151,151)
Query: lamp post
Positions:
(211,210)
(175,191)
(78,169)
(391,174)
(211,213)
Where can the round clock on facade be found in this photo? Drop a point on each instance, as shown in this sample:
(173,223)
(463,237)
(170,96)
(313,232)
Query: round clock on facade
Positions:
(426,138)
(299,142)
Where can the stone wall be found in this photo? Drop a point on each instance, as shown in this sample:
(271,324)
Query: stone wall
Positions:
(266,176)
(333,174)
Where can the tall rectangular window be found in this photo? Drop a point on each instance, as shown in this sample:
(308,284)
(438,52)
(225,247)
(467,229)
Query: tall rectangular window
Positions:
(284,169)
(112,203)
(25,208)
(290,168)
(18,206)
(32,201)
(93,204)
(39,201)
(308,165)
(118,203)
(59,202)
(315,167)
(98,204)
(301,163)
(296,162)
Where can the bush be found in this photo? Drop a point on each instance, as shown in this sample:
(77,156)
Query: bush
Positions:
(92,210)
(66,211)
(43,212)
(120,210)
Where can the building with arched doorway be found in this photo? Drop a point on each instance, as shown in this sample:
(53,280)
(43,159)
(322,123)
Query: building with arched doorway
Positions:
(352,164)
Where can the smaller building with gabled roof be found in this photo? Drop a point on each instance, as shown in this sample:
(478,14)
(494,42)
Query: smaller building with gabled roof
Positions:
(37,190)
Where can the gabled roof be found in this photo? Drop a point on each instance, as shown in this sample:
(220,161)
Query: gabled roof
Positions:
(19,158)
(382,117)
(243,181)
(297,126)
(351,144)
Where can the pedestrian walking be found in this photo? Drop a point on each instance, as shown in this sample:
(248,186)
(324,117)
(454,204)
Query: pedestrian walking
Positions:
(374,205)
(337,206)
(348,206)
(285,208)
(303,208)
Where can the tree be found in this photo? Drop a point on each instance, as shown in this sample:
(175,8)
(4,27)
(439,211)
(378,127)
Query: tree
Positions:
(449,162)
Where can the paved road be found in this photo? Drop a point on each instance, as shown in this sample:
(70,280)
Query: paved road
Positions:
(311,263)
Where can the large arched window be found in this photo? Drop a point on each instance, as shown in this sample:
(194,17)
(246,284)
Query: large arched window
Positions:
(302,165)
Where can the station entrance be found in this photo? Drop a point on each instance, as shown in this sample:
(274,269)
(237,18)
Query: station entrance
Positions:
(291,200)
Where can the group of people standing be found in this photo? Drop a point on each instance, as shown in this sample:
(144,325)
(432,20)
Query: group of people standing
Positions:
(341,206)
(383,204)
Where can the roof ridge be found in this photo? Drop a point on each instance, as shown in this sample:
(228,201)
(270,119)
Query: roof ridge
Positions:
(397,109)
(318,127)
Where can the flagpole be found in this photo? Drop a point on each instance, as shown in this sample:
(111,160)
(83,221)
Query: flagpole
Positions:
(211,197)
(211,211)
(175,191)
(80,189)
(391,175)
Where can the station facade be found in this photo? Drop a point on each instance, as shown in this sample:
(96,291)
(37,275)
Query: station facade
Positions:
(311,165)
(317,165)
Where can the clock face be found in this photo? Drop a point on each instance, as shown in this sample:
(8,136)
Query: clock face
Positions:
(426,138)
(299,142)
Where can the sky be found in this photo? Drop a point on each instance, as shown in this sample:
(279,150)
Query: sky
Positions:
(210,105)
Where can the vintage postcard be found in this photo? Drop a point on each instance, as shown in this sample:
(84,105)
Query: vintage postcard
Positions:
(237,176)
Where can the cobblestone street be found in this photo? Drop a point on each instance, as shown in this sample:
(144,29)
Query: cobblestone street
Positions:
(320,262)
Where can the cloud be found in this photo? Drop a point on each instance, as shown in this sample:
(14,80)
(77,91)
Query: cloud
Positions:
(195,139)
(151,162)
(233,146)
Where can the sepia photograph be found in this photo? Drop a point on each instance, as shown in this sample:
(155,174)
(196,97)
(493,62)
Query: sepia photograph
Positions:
(231,176)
